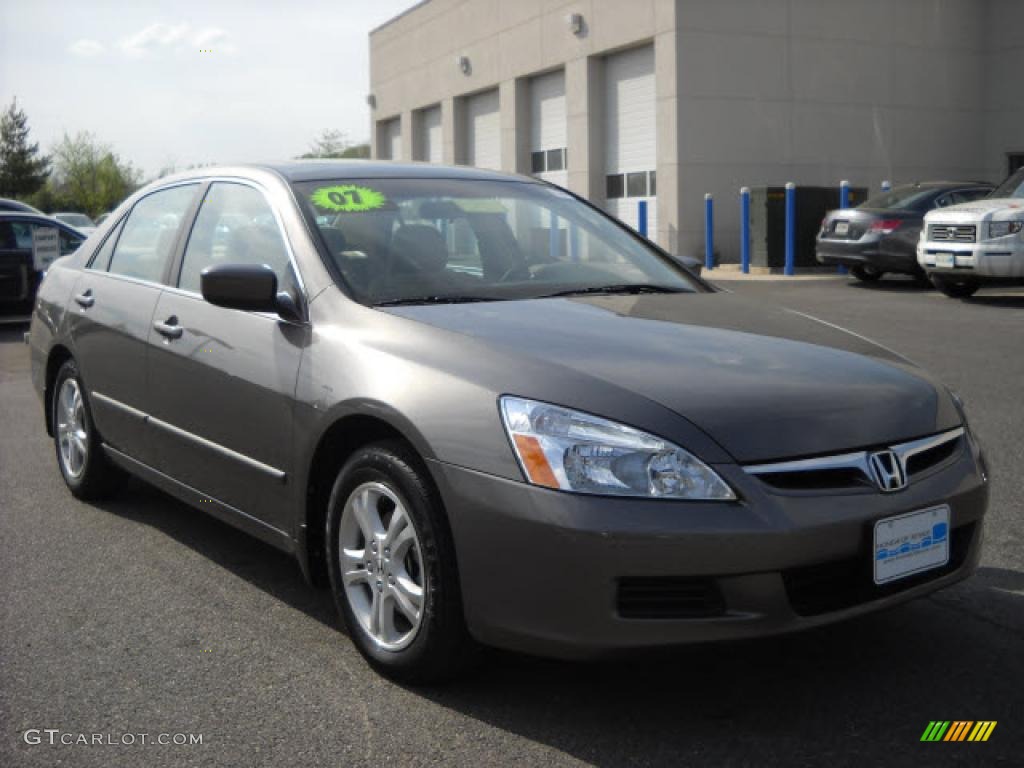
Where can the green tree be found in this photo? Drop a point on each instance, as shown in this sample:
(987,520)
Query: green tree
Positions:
(335,144)
(23,170)
(87,176)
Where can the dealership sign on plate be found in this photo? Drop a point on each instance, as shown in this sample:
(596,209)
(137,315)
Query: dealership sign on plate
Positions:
(45,247)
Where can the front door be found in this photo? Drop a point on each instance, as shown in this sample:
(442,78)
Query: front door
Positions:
(223,381)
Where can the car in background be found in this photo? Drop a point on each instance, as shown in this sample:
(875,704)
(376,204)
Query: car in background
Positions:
(880,235)
(79,221)
(979,243)
(103,217)
(19,277)
(6,204)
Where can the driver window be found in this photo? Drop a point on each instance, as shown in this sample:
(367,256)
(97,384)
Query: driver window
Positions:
(235,225)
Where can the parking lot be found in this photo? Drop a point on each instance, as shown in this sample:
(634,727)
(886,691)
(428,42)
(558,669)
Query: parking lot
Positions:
(142,615)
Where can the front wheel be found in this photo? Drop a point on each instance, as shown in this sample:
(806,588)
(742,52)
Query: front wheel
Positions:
(392,566)
(956,287)
(85,468)
(867,273)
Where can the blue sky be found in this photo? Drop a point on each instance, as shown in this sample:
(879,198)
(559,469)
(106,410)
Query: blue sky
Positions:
(138,74)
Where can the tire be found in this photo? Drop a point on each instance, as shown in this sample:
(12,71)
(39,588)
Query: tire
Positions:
(956,287)
(378,596)
(867,274)
(84,466)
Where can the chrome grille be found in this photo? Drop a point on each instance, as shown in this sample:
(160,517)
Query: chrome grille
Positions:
(964,233)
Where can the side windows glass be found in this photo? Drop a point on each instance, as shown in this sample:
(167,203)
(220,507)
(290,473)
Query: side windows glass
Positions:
(147,237)
(235,225)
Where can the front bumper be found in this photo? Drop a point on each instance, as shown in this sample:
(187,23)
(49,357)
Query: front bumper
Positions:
(888,254)
(551,573)
(993,259)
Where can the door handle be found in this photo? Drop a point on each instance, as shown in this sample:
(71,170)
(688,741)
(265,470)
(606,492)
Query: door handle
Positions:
(85,300)
(169,329)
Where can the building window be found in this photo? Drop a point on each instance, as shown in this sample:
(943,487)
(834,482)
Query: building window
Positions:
(556,159)
(1015,161)
(652,186)
(616,186)
(636,184)
(537,164)
(548,160)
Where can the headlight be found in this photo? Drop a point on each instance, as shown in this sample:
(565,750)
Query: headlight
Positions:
(572,451)
(1004,228)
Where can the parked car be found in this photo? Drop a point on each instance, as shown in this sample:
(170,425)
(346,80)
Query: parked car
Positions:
(19,276)
(880,235)
(6,204)
(566,445)
(982,243)
(79,221)
(102,217)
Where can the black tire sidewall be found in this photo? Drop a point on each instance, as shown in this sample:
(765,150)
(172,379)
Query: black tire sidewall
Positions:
(441,629)
(867,274)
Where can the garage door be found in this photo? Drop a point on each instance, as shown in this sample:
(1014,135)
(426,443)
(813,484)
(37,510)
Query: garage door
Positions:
(630,139)
(483,130)
(428,135)
(391,140)
(547,128)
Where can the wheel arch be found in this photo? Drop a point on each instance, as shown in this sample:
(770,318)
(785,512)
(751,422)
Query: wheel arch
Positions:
(350,428)
(56,357)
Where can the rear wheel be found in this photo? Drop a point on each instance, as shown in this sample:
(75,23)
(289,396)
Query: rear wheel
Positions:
(392,566)
(85,468)
(956,287)
(866,273)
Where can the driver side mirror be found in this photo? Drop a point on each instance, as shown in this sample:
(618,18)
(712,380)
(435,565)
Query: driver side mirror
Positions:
(692,264)
(250,287)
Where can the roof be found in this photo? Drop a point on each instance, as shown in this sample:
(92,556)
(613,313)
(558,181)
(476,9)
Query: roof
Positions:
(309,170)
(393,19)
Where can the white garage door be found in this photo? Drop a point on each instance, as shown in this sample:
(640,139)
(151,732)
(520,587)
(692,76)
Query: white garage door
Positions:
(483,130)
(630,139)
(547,128)
(428,137)
(391,140)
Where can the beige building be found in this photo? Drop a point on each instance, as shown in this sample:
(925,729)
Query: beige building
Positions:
(665,100)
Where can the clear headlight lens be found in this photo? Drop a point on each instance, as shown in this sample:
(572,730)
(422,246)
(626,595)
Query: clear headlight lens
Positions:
(1004,228)
(573,451)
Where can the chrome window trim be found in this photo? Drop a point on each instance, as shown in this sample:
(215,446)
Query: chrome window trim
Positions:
(857,460)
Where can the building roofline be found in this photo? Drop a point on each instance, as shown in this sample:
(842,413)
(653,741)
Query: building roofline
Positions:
(403,14)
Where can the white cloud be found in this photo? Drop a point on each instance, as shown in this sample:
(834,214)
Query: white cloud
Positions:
(213,38)
(153,37)
(87,48)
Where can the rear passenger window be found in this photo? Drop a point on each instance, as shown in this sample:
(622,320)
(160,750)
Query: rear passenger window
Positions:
(147,238)
(235,225)
(101,260)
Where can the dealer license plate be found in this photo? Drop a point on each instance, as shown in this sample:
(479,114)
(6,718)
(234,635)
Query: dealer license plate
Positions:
(911,543)
(947,260)
(842,228)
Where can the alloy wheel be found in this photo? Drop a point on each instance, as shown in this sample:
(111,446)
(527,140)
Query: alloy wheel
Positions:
(72,432)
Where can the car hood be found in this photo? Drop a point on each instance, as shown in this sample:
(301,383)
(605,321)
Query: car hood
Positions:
(764,382)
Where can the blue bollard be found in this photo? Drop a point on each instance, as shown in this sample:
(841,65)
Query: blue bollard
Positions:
(790,228)
(745,230)
(709,232)
(844,202)
(886,186)
(641,217)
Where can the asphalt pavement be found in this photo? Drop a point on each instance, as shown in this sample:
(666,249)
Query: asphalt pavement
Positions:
(143,616)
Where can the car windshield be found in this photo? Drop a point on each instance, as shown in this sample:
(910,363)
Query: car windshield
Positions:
(397,241)
(75,219)
(1012,187)
(909,197)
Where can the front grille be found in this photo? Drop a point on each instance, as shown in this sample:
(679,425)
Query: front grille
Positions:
(925,460)
(669,597)
(12,282)
(817,480)
(966,233)
(835,586)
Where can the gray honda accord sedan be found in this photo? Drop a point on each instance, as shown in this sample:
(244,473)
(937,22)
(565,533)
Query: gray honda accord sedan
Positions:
(481,411)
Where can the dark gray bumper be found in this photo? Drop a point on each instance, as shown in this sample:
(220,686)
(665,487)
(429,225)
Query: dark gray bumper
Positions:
(542,570)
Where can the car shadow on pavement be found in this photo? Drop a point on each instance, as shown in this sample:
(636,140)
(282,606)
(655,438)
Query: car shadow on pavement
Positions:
(262,565)
(861,692)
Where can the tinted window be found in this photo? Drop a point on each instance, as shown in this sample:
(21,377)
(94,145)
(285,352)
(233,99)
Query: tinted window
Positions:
(909,196)
(68,242)
(147,240)
(1012,187)
(235,225)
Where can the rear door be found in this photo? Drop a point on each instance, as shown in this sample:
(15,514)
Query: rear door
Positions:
(223,380)
(111,313)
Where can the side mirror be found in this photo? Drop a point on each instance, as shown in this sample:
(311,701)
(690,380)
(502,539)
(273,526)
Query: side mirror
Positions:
(692,264)
(252,287)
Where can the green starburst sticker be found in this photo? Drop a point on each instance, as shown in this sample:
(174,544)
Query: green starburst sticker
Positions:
(348,198)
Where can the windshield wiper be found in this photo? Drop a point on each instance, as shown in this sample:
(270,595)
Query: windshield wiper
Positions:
(625,288)
(435,300)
